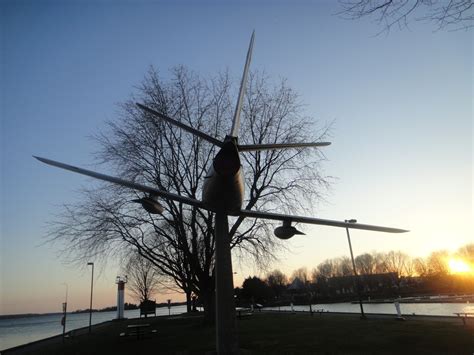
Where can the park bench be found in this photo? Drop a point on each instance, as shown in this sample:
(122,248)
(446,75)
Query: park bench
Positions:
(464,316)
(320,311)
(137,330)
(243,312)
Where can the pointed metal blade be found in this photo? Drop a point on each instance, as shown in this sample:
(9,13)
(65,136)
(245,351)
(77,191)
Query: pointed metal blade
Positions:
(256,147)
(181,125)
(129,184)
(236,123)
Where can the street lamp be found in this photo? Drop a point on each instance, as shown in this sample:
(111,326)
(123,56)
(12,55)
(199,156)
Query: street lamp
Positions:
(362,314)
(90,307)
(63,320)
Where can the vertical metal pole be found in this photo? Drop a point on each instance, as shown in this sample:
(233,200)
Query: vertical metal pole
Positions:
(362,314)
(64,318)
(226,335)
(90,307)
(65,312)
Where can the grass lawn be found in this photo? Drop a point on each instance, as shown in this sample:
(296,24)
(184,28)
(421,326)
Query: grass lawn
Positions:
(271,333)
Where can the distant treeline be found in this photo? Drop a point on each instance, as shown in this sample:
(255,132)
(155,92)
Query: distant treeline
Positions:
(26,315)
(107,309)
(381,275)
(127,306)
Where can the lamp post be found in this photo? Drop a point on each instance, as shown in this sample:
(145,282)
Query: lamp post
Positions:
(92,287)
(362,314)
(63,320)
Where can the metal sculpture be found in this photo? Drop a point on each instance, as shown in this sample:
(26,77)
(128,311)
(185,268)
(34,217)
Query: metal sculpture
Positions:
(223,193)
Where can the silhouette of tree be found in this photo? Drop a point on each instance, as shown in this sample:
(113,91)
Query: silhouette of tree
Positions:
(144,149)
(255,290)
(143,278)
(395,261)
(315,275)
(421,267)
(438,263)
(410,267)
(277,281)
(451,15)
(301,274)
(365,264)
(467,253)
(327,269)
(343,266)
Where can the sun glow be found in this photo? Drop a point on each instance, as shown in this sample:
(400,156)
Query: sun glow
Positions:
(459,266)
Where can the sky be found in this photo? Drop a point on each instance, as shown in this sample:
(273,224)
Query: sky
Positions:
(400,105)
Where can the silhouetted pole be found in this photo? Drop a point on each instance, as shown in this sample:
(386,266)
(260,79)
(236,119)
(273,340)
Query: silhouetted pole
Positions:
(362,314)
(90,307)
(63,321)
(226,335)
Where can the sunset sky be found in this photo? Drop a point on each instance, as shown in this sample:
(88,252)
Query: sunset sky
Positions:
(400,106)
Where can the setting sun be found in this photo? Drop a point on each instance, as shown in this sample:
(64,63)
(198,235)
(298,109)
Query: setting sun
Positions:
(458,266)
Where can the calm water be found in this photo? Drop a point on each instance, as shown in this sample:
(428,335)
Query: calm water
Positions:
(17,331)
(435,309)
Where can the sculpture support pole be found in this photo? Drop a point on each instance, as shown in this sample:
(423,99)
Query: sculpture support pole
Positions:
(226,335)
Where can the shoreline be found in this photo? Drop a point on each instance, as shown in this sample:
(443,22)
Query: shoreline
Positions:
(463,299)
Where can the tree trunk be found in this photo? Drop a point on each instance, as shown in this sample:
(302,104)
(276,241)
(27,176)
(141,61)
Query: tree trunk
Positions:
(207,298)
(188,301)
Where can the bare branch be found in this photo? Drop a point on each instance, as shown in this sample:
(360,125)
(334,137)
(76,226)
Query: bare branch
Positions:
(452,15)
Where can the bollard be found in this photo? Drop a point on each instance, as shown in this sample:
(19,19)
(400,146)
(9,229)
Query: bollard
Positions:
(399,313)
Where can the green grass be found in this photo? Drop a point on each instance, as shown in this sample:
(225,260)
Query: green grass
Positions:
(280,334)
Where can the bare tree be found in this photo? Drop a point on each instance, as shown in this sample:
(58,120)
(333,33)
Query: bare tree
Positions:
(380,262)
(365,264)
(276,278)
(467,253)
(444,14)
(410,268)
(438,263)
(327,269)
(315,275)
(343,266)
(143,278)
(141,148)
(277,281)
(395,261)
(301,274)
(421,266)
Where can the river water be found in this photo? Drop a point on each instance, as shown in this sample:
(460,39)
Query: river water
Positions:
(22,330)
(434,309)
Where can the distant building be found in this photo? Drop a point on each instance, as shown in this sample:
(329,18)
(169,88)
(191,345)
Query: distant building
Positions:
(297,285)
(343,285)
